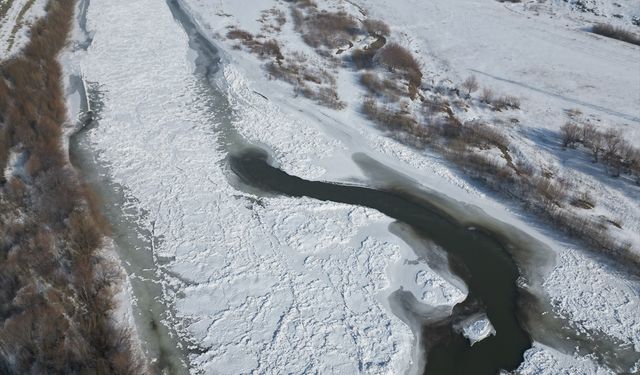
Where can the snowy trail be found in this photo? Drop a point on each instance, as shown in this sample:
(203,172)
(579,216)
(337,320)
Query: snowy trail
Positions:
(563,98)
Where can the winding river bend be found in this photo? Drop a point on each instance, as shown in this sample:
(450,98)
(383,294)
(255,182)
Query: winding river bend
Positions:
(481,260)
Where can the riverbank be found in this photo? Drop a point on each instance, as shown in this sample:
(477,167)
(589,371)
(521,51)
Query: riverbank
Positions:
(58,281)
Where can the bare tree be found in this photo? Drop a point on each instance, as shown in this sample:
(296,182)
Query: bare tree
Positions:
(596,145)
(470,85)
(613,143)
(570,134)
(588,132)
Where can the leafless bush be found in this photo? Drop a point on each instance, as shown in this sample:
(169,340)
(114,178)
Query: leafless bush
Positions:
(486,96)
(395,56)
(240,34)
(505,102)
(304,3)
(270,48)
(596,143)
(381,87)
(387,117)
(550,190)
(376,27)
(298,18)
(327,29)
(583,200)
(479,133)
(363,58)
(616,33)
(570,133)
(470,85)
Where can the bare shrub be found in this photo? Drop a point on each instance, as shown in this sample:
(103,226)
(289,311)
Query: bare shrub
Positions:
(479,133)
(470,85)
(385,88)
(583,200)
(298,18)
(304,3)
(596,144)
(327,29)
(387,117)
(376,27)
(506,102)
(550,190)
(240,34)
(570,133)
(616,33)
(270,48)
(613,143)
(363,58)
(394,56)
(486,96)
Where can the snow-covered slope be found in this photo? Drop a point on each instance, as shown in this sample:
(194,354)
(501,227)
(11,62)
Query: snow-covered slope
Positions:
(16,16)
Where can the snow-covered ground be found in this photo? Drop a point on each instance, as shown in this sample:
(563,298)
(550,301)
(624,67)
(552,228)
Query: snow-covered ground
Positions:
(271,284)
(15,23)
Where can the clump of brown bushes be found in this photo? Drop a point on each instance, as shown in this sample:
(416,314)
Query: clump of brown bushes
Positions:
(314,83)
(56,290)
(376,27)
(542,191)
(328,29)
(397,58)
(262,48)
(616,33)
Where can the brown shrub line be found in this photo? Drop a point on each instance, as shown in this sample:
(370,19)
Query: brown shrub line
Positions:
(57,291)
(541,193)
(4,8)
(616,33)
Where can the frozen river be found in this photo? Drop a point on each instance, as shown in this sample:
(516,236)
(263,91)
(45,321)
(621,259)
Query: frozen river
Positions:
(230,278)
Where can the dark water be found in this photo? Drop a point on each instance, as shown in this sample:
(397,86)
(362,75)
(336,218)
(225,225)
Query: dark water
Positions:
(477,258)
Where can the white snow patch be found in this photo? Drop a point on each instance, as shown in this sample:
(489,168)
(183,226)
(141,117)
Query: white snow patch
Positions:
(477,328)
(594,297)
(543,360)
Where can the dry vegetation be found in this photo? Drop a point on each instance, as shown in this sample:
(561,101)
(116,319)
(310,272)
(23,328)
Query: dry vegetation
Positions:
(606,147)
(541,190)
(397,58)
(19,23)
(616,33)
(56,291)
(4,8)
(393,79)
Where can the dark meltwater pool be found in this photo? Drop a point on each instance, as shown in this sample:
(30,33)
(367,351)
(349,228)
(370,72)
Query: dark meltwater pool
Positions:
(475,256)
